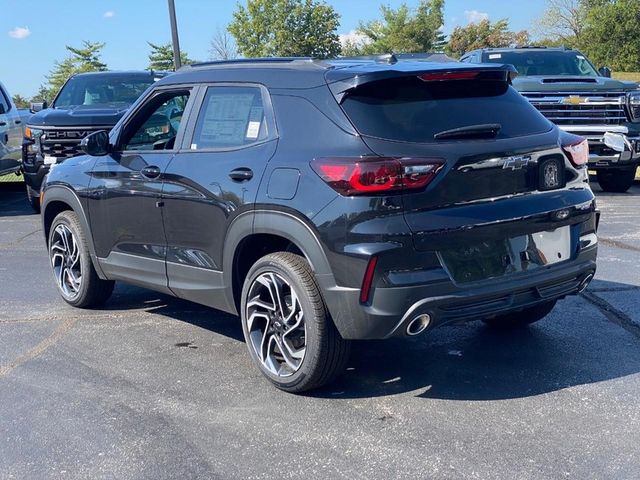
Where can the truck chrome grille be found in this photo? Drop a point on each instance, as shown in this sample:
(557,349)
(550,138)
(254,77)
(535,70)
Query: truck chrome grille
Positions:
(580,108)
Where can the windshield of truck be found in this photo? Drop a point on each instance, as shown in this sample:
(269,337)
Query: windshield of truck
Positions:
(104,90)
(548,63)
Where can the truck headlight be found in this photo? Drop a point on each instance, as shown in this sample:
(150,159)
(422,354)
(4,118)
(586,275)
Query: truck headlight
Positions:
(633,100)
(32,133)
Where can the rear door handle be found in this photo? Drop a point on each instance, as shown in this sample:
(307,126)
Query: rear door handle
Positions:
(151,172)
(241,174)
(3,124)
(18,122)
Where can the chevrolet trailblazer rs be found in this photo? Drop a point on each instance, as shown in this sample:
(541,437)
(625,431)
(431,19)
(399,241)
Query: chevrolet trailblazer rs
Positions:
(328,200)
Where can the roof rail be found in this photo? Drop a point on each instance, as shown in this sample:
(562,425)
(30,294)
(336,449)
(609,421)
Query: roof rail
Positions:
(241,61)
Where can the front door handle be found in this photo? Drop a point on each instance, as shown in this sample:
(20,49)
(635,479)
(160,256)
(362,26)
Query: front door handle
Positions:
(3,124)
(241,174)
(151,172)
(18,122)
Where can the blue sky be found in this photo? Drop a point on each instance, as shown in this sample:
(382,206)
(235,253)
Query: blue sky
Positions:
(33,33)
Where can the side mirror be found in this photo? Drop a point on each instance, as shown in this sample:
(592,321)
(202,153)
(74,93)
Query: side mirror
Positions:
(96,144)
(2,110)
(605,72)
(36,107)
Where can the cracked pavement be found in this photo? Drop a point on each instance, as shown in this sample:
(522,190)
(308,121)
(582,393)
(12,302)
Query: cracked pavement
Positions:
(155,387)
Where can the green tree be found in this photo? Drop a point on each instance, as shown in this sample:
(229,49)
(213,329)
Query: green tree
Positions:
(85,59)
(562,23)
(484,34)
(286,28)
(611,34)
(44,94)
(161,57)
(20,101)
(404,30)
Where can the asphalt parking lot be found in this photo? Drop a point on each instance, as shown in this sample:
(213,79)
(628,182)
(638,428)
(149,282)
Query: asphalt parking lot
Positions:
(154,387)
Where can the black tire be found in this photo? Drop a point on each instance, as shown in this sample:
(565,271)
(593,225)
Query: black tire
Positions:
(33,197)
(522,318)
(325,351)
(91,291)
(616,180)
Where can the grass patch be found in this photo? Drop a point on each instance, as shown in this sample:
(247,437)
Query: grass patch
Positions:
(11,178)
(632,76)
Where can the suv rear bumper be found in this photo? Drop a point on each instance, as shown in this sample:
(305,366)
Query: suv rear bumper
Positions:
(392,309)
(600,155)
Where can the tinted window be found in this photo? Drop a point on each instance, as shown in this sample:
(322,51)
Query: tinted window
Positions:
(111,90)
(230,117)
(532,63)
(157,124)
(408,109)
(4,101)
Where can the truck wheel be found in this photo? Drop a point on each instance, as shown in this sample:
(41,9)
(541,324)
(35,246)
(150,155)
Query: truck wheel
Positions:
(287,327)
(617,180)
(34,199)
(75,277)
(519,319)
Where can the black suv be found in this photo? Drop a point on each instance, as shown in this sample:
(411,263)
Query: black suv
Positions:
(87,103)
(323,201)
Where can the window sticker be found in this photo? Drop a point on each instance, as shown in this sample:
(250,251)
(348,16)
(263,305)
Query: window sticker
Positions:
(493,56)
(253,130)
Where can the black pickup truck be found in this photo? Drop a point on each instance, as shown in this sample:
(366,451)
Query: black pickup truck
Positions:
(566,87)
(87,102)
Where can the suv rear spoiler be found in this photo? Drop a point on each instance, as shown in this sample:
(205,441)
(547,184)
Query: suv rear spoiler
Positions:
(343,80)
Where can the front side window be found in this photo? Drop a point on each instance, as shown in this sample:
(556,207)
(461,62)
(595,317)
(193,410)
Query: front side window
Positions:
(156,125)
(230,117)
(4,102)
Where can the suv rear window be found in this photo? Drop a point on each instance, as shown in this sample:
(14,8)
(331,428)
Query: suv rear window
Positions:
(408,109)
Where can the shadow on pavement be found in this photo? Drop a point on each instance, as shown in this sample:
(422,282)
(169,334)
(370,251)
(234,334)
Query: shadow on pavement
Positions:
(13,200)
(467,362)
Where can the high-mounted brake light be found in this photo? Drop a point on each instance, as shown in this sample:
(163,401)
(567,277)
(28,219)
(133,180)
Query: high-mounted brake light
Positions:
(577,149)
(369,176)
(444,76)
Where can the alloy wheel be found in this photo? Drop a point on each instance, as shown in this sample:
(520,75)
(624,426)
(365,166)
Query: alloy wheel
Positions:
(65,260)
(276,324)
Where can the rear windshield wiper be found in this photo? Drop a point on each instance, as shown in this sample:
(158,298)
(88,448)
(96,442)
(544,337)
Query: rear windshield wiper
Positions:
(488,130)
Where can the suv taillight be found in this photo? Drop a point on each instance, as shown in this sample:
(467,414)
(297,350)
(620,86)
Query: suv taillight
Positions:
(369,176)
(577,149)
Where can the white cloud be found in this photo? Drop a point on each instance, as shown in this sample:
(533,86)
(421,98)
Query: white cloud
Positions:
(474,16)
(354,38)
(109,14)
(20,33)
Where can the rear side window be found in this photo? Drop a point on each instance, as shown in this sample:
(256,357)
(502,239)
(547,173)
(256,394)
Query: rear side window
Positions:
(230,117)
(408,109)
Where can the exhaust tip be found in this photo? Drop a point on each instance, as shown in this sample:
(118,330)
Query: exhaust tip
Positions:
(585,283)
(419,324)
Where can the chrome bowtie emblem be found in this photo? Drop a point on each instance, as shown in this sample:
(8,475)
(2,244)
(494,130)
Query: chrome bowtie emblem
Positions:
(516,163)
(551,175)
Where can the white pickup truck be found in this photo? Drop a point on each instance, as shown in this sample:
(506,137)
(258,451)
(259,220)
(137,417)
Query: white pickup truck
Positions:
(11,134)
